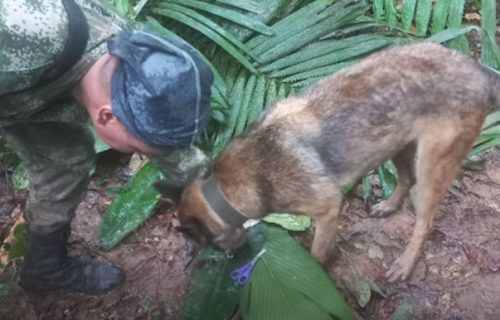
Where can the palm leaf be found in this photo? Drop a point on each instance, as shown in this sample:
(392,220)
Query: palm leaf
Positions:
(454,21)
(301,37)
(422,16)
(227,14)
(378,9)
(488,23)
(390,11)
(336,57)
(245,105)
(316,50)
(440,15)
(258,100)
(304,16)
(248,5)
(210,29)
(451,33)
(408,12)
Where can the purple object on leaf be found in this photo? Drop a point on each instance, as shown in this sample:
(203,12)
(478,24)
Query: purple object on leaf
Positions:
(242,274)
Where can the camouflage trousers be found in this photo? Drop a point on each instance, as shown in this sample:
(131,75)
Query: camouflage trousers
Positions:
(58,150)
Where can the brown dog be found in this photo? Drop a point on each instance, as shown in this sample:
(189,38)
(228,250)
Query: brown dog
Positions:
(420,105)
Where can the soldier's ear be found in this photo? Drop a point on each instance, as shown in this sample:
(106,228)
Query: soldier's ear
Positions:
(169,190)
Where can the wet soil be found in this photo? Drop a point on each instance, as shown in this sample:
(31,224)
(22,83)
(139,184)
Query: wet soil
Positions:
(456,277)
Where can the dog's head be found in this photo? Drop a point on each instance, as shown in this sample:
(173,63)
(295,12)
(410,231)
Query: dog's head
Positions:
(198,221)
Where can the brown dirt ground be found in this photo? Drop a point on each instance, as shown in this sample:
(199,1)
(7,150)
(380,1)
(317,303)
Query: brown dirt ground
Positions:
(454,279)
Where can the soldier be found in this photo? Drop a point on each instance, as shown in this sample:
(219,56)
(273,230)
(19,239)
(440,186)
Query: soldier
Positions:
(61,63)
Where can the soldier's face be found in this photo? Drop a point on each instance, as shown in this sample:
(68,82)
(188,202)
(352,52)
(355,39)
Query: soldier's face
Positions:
(114,134)
(93,93)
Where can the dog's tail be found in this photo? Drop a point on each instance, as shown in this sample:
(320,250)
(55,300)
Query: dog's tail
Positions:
(494,76)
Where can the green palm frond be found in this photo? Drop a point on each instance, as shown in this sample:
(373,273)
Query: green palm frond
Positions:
(248,5)
(423,17)
(210,29)
(227,14)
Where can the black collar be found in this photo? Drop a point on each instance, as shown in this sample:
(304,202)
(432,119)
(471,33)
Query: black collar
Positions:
(219,204)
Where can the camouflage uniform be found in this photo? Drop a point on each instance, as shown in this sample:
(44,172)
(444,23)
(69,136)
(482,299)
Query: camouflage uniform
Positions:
(41,121)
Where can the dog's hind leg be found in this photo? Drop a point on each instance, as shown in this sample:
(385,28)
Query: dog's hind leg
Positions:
(405,164)
(439,153)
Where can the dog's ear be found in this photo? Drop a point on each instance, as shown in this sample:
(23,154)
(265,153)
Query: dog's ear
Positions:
(169,190)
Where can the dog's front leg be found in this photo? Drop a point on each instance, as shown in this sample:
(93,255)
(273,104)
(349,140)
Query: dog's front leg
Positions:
(326,229)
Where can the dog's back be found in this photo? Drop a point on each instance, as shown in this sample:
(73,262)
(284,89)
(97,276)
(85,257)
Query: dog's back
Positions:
(351,122)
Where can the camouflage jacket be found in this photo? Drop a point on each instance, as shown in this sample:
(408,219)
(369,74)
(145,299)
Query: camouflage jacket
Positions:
(32,36)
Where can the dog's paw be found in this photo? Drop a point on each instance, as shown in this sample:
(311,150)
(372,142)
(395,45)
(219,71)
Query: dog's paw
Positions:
(400,270)
(382,209)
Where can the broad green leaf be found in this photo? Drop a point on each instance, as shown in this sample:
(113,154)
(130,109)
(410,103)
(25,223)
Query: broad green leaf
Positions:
(440,15)
(206,27)
(130,207)
(407,14)
(422,16)
(288,283)
(212,293)
(227,14)
(455,18)
(268,298)
(488,23)
(288,221)
(20,177)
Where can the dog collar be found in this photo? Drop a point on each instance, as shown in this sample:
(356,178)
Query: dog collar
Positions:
(219,204)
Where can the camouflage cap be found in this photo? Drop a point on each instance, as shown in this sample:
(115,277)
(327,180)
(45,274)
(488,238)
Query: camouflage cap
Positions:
(160,89)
